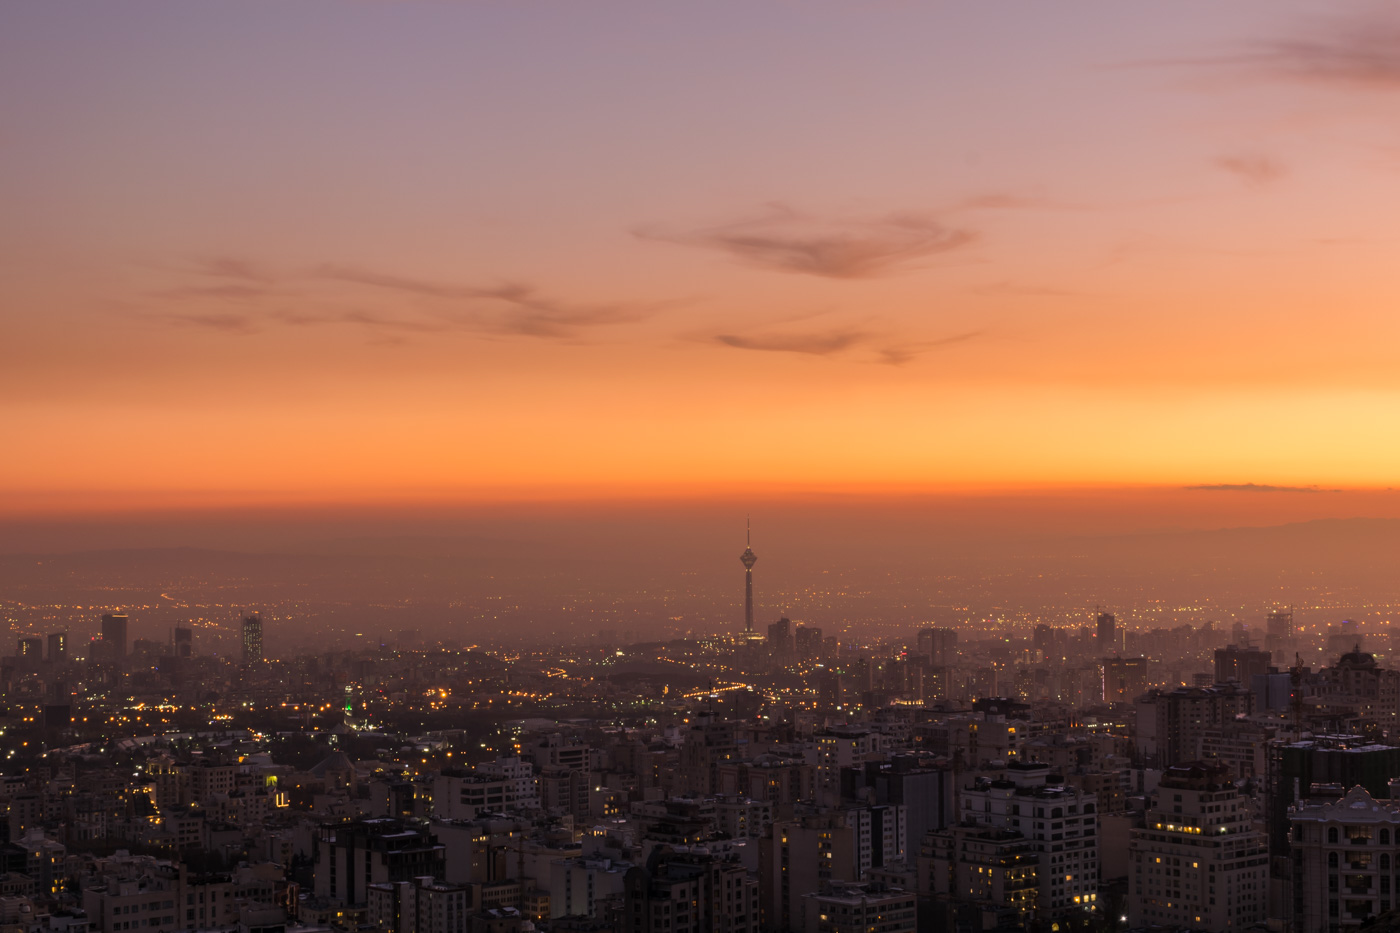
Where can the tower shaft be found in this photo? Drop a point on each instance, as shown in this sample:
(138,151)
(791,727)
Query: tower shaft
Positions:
(748,601)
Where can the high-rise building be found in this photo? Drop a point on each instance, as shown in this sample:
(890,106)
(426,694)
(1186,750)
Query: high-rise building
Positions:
(1059,821)
(1198,862)
(58,647)
(748,559)
(252,639)
(938,645)
(1279,624)
(820,846)
(30,649)
(114,636)
(689,892)
(184,641)
(780,637)
(1171,725)
(808,641)
(1240,664)
(352,856)
(1107,632)
(994,870)
(1344,855)
(1124,679)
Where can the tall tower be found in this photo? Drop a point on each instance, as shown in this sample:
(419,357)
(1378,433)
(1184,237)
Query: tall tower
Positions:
(252,639)
(114,636)
(748,559)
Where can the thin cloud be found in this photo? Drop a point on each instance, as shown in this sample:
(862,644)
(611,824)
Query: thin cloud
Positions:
(786,241)
(1359,52)
(318,297)
(812,344)
(224,323)
(898,355)
(840,341)
(227,267)
(1252,169)
(1254,487)
(1007,287)
(512,308)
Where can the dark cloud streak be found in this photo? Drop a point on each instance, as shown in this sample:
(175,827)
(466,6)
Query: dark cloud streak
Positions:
(786,241)
(317,297)
(1253,169)
(1254,487)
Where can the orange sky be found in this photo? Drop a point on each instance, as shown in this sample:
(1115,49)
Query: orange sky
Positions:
(368,252)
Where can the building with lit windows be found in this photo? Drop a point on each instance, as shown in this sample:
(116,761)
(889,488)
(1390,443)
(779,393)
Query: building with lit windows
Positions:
(1346,861)
(989,867)
(252,639)
(1198,862)
(1058,820)
(861,908)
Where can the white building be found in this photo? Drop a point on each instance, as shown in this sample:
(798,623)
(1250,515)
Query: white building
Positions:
(518,771)
(1199,862)
(1346,861)
(1059,821)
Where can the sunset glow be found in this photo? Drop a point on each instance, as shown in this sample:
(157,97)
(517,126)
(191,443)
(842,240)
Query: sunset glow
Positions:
(362,253)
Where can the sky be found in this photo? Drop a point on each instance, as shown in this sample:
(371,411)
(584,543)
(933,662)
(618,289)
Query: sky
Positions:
(261,254)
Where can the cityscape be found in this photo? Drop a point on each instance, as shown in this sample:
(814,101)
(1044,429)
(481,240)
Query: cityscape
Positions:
(764,776)
(745,466)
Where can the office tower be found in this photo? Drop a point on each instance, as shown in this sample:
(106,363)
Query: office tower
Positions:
(1279,624)
(1198,863)
(114,636)
(252,639)
(780,637)
(1240,664)
(1108,632)
(1344,854)
(748,559)
(938,645)
(1124,679)
(808,642)
(58,647)
(184,641)
(30,649)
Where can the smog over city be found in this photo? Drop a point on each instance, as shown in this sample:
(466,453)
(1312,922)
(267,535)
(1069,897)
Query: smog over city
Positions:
(730,467)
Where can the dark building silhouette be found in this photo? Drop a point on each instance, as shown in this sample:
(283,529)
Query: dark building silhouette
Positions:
(938,645)
(184,641)
(58,647)
(1240,664)
(1107,632)
(808,642)
(1124,679)
(780,637)
(114,627)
